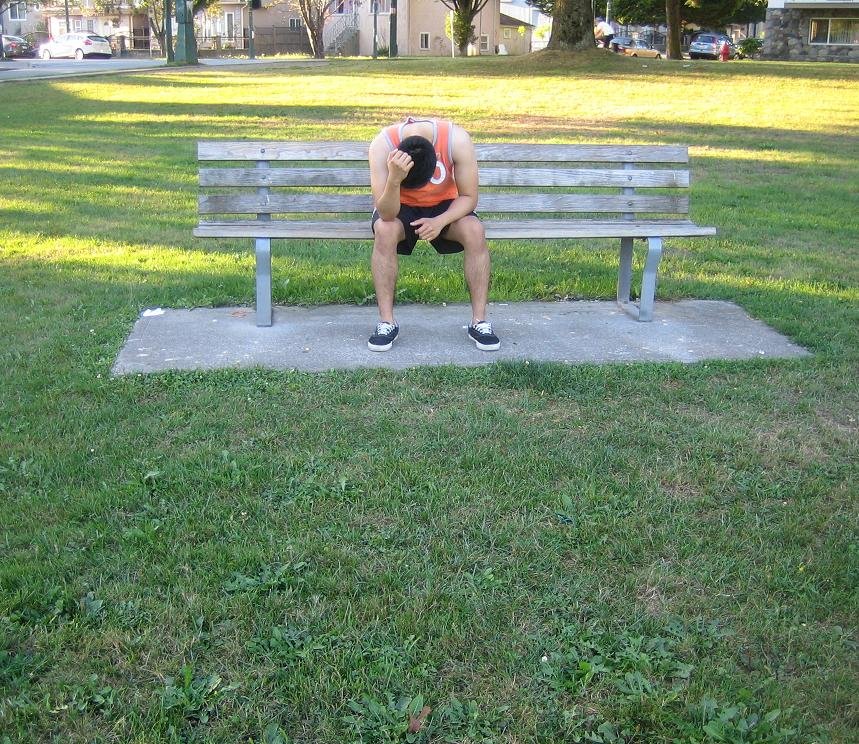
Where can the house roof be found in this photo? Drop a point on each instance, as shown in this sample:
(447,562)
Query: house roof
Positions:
(507,20)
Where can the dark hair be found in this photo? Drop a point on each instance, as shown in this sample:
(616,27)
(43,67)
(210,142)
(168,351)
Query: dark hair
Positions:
(422,153)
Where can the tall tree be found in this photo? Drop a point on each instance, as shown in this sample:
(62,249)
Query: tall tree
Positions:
(464,13)
(572,25)
(672,20)
(314,13)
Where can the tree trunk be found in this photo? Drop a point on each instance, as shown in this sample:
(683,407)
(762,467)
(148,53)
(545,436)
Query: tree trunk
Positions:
(317,45)
(572,25)
(672,18)
(313,14)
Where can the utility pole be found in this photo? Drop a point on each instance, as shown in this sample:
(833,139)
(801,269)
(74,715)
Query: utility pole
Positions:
(68,23)
(251,51)
(168,29)
(375,29)
(392,43)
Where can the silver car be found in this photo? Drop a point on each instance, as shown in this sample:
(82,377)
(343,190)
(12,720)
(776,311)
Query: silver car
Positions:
(706,46)
(78,44)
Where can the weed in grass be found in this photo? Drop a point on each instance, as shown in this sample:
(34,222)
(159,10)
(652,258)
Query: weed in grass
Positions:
(281,578)
(390,720)
(286,643)
(274,734)
(91,696)
(193,698)
(654,686)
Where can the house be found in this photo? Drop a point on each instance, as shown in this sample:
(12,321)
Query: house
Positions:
(278,28)
(18,19)
(515,35)
(815,30)
(420,27)
(351,29)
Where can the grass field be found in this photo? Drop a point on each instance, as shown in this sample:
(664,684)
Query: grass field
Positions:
(535,553)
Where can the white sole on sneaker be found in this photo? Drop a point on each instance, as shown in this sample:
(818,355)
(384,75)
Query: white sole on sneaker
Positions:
(484,347)
(382,347)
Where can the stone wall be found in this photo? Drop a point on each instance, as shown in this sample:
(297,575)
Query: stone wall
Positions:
(787,36)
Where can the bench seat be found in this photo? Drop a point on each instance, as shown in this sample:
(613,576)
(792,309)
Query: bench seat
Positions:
(495,229)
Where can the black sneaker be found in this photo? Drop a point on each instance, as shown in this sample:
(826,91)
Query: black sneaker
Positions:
(482,335)
(383,338)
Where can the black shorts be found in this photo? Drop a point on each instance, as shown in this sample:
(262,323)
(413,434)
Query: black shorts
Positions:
(408,214)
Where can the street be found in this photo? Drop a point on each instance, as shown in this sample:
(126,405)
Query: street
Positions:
(38,69)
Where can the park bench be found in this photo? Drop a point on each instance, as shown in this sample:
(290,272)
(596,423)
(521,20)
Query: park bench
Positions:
(320,190)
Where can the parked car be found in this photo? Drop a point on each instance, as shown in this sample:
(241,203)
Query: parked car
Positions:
(78,44)
(706,46)
(15,46)
(638,48)
(619,43)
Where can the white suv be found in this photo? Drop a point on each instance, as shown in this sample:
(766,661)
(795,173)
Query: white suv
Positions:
(78,44)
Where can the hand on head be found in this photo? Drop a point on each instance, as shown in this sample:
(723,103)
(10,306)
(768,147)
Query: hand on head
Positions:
(399,165)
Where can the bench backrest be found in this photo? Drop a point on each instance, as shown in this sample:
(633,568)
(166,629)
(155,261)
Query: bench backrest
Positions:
(294,179)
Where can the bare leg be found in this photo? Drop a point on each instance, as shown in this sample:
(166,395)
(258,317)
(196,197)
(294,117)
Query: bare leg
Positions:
(476,263)
(385,265)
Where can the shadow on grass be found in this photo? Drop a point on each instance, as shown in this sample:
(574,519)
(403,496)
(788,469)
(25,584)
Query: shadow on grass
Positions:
(124,285)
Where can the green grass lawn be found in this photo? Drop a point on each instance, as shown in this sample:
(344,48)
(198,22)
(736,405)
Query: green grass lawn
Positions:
(536,553)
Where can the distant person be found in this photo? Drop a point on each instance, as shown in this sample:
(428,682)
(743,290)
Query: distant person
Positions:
(724,51)
(423,175)
(604,32)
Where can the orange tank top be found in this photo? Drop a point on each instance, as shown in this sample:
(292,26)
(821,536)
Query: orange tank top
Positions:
(442,186)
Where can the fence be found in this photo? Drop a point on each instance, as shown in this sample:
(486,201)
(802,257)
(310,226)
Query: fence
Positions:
(267,41)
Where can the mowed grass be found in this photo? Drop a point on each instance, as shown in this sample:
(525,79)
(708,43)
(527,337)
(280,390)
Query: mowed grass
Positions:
(535,553)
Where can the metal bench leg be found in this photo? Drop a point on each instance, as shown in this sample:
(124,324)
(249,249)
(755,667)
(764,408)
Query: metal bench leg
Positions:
(648,280)
(263,254)
(624,274)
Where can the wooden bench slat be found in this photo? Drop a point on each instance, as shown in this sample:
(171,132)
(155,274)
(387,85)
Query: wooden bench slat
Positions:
(582,177)
(515,153)
(511,153)
(498,229)
(489,176)
(518,203)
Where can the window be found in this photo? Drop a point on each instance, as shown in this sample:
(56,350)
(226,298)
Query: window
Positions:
(834,31)
(484,42)
(296,23)
(425,38)
(508,33)
(18,12)
(231,25)
(345,7)
(382,6)
(90,25)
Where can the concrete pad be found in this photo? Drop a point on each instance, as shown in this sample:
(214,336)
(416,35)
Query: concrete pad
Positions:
(335,336)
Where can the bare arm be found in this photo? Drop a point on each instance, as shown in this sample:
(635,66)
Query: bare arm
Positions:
(388,168)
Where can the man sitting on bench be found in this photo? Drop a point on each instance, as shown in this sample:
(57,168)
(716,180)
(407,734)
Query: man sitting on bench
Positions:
(423,175)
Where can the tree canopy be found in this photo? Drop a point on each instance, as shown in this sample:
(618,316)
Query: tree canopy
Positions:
(707,13)
(464,13)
